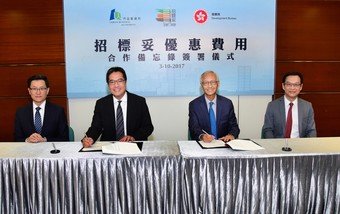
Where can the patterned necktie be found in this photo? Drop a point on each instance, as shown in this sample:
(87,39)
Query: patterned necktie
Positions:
(212,120)
(119,122)
(289,121)
(37,120)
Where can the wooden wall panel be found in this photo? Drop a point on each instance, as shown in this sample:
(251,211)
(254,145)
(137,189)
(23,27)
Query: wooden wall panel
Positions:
(308,30)
(318,76)
(32,41)
(14,84)
(9,106)
(31,32)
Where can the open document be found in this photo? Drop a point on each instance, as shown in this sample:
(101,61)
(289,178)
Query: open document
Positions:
(121,148)
(237,144)
(115,147)
(96,147)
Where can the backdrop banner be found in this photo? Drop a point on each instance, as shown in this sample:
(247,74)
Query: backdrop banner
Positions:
(164,46)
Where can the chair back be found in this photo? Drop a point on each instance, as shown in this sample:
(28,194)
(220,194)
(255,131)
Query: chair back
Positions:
(70,134)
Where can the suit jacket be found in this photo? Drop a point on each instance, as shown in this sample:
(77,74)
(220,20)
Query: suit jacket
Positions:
(138,122)
(54,127)
(275,119)
(225,117)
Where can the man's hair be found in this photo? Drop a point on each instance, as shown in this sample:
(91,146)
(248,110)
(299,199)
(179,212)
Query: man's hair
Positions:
(209,72)
(115,69)
(292,73)
(38,77)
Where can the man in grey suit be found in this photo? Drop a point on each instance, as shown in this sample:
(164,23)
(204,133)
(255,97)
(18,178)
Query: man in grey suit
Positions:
(303,124)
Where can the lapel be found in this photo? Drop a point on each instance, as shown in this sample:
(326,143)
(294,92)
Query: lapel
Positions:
(204,110)
(300,115)
(282,112)
(218,110)
(47,116)
(31,119)
(129,112)
(110,109)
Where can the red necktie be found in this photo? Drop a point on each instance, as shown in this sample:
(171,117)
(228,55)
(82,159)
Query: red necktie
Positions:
(289,121)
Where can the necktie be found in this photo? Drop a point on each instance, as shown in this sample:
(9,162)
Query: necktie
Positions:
(37,120)
(289,121)
(212,120)
(120,122)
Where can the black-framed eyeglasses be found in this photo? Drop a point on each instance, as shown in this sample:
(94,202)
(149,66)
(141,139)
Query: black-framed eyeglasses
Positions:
(119,81)
(38,89)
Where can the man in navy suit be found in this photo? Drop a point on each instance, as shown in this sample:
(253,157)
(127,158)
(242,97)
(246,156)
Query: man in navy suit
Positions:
(52,119)
(135,113)
(303,124)
(202,119)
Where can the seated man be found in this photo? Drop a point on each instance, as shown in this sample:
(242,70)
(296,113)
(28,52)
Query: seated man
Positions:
(40,121)
(204,124)
(121,115)
(289,116)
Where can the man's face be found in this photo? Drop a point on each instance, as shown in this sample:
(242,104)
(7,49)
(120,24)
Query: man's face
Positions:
(117,84)
(292,87)
(210,85)
(38,91)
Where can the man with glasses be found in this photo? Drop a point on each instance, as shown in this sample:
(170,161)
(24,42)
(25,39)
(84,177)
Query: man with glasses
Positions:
(212,116)
(119,116)
(40,121)
(289,116)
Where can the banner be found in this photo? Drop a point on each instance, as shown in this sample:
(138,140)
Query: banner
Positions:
(164,46)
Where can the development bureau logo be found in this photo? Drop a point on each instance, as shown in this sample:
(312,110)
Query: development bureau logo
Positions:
(200,16)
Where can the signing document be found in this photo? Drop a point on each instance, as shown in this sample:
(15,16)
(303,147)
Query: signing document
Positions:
(121,148)
(237,144)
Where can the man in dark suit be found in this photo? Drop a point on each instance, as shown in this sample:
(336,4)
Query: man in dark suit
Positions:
(212,116)
(303,124)
(120,116)
(40,121)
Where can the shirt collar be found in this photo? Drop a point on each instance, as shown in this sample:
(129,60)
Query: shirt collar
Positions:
(42,106)
(124,98)
(288,101)
(208,101)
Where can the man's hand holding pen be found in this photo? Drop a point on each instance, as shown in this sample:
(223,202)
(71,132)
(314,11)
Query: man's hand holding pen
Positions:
(206,137)
(87,141)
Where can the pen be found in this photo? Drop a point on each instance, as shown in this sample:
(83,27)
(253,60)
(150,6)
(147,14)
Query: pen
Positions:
(207,133)
(55,148)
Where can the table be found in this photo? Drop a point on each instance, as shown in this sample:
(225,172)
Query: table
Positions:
(305,180)
(34,181)
(171,177)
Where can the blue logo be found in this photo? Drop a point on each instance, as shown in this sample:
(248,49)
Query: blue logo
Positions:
(115,15)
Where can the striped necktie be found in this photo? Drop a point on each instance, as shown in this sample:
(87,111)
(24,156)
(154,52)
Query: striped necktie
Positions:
(119,122)
(37,120)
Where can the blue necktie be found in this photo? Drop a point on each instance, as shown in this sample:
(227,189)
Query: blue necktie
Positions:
(120,122)
(37,120)
(212,120)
